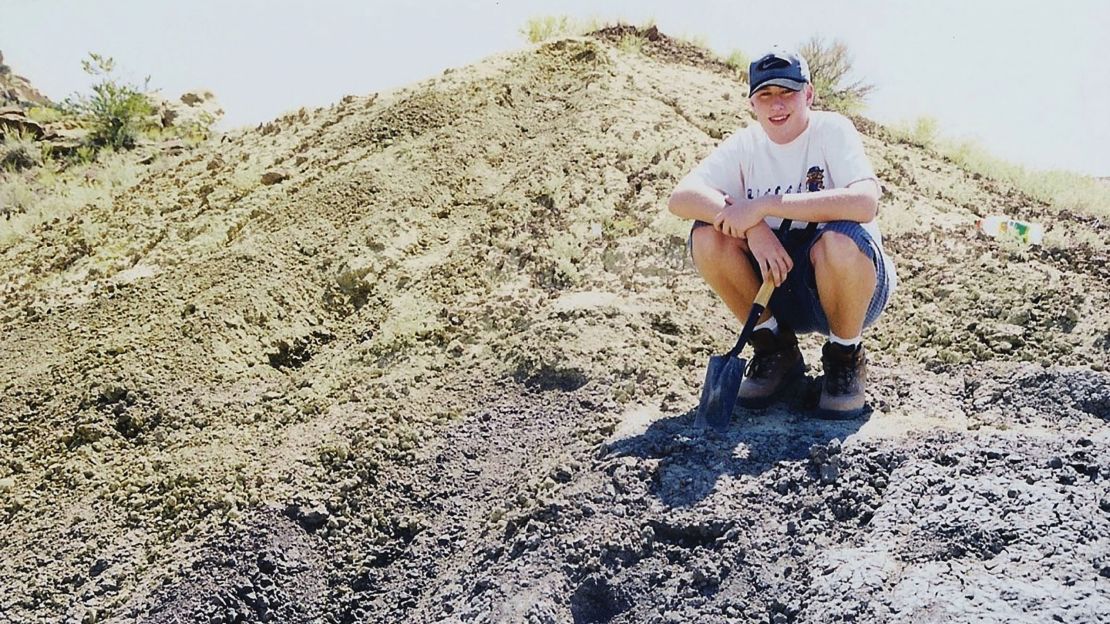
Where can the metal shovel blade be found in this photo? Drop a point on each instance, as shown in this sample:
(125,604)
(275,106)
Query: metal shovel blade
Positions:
(718,395)
(722,378)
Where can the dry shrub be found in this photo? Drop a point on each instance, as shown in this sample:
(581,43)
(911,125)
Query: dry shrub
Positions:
(830,63)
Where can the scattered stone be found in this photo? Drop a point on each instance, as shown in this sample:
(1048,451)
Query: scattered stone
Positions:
(14,121)
(311,516)
(274,176)
(818,454)
(829,472)
(563,473)
(390,320)
(98,567)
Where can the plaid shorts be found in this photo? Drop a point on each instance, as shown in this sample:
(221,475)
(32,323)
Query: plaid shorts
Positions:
(796,303)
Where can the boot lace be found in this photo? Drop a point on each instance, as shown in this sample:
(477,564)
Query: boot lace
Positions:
(839,375)
(762,364)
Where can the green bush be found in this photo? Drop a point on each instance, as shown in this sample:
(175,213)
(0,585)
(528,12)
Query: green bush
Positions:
(829,66)
(115,111)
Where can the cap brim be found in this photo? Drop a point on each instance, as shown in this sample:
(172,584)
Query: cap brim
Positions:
(786,83)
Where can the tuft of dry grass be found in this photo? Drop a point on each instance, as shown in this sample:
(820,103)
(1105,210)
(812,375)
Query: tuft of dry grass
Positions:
(1064,191)
(633,44)
(45,194)
(18,152)
(547,27)
(740,63)
(921,132)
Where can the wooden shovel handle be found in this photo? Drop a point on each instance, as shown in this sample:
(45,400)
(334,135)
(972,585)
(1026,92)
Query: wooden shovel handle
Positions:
(765,292)
(758,306)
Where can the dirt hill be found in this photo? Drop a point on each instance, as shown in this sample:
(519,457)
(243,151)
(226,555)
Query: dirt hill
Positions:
(431,355)
(16,90)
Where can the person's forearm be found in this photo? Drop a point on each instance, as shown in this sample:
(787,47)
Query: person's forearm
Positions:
(696,202)
(843,204)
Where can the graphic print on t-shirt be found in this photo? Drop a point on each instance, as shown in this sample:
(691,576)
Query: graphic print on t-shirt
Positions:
(815,181)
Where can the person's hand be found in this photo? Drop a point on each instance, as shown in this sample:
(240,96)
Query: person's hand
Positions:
(774,262)
(737,217)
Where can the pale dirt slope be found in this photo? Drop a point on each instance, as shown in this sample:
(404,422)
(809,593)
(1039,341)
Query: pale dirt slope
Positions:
(443,371)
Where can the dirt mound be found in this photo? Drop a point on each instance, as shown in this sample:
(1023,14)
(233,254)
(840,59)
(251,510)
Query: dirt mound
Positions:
(15,90)
(430,355)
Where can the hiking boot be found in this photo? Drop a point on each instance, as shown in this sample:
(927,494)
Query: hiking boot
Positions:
(845,378)
(775,363)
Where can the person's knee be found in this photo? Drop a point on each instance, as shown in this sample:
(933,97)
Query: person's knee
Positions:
(711,249)
(836,250)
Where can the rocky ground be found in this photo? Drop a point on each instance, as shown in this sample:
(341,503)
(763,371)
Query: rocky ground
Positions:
(431,356)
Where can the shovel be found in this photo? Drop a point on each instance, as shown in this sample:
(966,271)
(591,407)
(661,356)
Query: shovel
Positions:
(722,378)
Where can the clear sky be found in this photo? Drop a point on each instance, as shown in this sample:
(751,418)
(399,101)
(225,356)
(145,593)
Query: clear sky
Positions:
(1028,80)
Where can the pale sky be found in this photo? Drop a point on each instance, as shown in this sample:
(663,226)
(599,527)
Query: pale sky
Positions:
(1028,80)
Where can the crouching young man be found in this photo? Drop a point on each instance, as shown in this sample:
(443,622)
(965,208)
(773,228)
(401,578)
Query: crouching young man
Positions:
(829,268)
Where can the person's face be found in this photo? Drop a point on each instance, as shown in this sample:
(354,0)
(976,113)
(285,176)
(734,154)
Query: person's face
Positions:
(783,113)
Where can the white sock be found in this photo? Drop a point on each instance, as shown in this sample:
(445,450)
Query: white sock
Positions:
(770,324)
(847,342)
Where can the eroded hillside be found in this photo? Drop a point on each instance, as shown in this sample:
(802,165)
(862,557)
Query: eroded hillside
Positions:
(429,355)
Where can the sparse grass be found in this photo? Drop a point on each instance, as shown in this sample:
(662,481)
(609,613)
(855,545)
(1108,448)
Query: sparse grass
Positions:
(620,226)
(698,41)
(539,29)
(921,132)
(673,226)
(41,195)
(46,114)
(86,154)
(19,152)
(740,63)
(738,60)
(633,44)
(1063,190)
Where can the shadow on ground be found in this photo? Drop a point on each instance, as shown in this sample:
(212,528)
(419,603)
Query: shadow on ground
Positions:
(692,460)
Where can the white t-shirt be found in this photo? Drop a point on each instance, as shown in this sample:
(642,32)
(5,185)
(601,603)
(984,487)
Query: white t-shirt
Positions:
(828,154)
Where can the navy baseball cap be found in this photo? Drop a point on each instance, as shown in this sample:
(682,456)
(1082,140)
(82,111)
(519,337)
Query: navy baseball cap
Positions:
(778,67)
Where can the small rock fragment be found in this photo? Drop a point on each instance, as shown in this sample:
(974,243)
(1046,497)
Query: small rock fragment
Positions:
(829,472)
(274,176)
